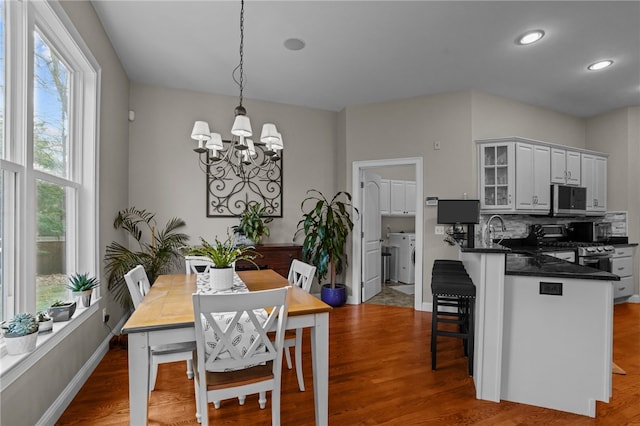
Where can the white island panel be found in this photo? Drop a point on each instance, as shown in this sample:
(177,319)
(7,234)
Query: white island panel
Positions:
(556,350)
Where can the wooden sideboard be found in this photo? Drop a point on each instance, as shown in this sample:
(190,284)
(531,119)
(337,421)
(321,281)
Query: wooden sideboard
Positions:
(274,256)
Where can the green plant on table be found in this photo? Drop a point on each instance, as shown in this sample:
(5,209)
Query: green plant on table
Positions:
(222,253)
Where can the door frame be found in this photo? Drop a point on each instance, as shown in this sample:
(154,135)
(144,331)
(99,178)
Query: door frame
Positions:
(356,270)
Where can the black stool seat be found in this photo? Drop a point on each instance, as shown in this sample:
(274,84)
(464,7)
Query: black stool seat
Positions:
(453,303)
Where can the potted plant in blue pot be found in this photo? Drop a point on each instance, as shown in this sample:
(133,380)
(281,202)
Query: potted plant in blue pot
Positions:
(326,224)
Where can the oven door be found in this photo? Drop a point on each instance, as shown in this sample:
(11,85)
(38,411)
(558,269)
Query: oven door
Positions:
(598,262)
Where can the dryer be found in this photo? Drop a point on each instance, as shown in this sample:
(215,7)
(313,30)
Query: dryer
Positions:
(405,261)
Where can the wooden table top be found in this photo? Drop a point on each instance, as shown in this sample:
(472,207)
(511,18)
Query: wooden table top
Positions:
(169,303)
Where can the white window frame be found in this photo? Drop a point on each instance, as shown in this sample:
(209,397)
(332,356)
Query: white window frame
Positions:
(19,219)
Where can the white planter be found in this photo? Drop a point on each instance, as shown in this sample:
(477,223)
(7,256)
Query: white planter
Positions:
(20,345)
(45,326)
(221,278)
(84,296)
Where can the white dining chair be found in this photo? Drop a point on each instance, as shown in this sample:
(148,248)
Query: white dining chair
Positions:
(138,284)
(197,264)
(301,275)
(224,368)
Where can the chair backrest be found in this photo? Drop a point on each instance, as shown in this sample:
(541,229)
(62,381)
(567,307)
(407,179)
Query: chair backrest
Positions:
(220,318)
(138,284)
(197,264)
(301,274)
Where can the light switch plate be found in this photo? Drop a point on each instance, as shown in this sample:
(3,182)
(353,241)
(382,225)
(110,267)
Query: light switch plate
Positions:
(439,230)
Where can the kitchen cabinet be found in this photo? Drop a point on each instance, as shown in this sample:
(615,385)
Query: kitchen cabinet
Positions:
(569,256)
(594,178)
(532,177)
(565,167)
(385,200)
(496,175)
(402,198)
(622,266)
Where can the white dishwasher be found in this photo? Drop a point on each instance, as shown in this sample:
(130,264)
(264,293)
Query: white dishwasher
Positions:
(405,263)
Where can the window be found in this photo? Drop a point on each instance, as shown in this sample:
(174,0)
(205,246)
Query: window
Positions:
(48,154)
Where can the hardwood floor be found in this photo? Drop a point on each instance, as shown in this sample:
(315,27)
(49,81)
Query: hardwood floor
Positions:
(379,374)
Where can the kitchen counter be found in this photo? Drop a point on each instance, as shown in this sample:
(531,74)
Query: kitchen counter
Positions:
(547,266)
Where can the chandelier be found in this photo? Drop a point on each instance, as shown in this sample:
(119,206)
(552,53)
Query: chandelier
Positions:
(240,171)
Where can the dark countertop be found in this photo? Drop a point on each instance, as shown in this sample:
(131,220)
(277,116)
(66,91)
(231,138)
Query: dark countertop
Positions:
(529,261)
(549,266)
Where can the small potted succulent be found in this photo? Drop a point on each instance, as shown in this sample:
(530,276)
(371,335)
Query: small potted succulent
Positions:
(82,285)
(20,333)
(45,323)
(253,224)
(61,311)
(223,254)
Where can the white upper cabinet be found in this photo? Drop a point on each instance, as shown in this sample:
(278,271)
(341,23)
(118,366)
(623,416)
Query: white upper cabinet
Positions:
(533,165)
(385,200)
(515,175)
(594,178)
(565,167)
(402,196)
(496,175)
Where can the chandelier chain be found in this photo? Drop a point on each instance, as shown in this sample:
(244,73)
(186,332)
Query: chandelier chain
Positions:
(241,83)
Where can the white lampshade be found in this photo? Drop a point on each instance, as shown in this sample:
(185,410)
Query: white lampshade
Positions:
(252,148)
(269,133)
(241,126)
(278,144)
(215,142)
(201,131)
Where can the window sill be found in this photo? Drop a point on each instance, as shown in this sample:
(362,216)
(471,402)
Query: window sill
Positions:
(13,366)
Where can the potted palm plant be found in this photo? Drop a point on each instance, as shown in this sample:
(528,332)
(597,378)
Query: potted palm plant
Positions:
(326,224)
(223,254)
(253,224)
(159,252)
(20,333)
(82,285)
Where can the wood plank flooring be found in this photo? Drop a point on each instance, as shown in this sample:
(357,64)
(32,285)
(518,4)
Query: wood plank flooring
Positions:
(379,374)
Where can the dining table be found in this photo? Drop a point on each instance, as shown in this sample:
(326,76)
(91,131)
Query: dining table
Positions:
(165,316)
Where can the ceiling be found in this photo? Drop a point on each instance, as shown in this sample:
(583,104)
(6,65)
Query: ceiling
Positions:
(360,52)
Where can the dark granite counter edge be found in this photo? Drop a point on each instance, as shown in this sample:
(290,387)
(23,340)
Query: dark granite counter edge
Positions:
(625,245)
(595,276)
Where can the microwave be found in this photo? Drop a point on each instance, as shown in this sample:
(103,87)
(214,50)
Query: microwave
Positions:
(568,200)
(590,231)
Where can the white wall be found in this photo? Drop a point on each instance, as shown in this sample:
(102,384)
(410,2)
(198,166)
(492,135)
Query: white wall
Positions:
(27,399)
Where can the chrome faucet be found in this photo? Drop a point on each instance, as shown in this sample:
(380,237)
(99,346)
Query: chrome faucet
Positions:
(490,228)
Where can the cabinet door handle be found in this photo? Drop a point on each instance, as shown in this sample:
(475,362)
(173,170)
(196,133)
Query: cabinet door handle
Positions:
(569,174)
(621,268)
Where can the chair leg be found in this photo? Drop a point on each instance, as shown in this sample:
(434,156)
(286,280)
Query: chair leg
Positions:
(153,374)
(262,400)
(241,399)
(275,406)
(190,369)
(298,354)
(287,355)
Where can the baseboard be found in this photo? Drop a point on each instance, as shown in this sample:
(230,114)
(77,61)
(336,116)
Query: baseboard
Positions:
(634,299)
(55,411)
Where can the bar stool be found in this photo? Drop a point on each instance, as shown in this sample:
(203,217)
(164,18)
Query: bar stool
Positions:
(452,288)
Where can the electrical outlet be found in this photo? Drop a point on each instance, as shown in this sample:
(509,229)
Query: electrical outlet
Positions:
(105,315)
(439,230)
(436,145)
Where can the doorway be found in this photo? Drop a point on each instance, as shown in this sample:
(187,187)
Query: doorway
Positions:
(373,228)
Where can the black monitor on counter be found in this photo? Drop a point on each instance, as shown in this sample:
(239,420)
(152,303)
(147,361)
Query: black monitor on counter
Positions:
(463,212)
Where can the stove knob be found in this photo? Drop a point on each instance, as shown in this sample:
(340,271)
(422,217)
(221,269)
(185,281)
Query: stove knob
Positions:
(609,248)
(599,248)
(591,249)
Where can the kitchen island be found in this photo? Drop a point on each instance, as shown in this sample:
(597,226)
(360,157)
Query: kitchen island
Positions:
(544,329)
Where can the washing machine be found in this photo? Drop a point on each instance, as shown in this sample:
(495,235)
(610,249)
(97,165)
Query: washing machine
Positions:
(405,261)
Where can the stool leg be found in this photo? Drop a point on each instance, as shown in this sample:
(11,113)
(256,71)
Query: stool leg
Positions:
(470,333)
(434,328)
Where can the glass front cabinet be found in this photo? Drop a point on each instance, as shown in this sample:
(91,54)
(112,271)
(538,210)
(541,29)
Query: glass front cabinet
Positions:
(497,175)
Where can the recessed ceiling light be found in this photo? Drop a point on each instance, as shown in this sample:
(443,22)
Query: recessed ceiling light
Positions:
(294,44)
(600,65)
(530,37)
